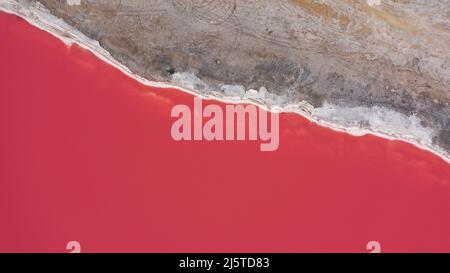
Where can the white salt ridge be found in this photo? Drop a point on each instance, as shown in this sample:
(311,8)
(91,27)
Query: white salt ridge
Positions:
(378,119)
(233,90)
(353,120)
(188,80)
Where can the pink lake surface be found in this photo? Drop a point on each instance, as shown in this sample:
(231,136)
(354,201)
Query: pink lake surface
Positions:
(86,154)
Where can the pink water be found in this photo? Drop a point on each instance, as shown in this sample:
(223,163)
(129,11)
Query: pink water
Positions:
(86,154)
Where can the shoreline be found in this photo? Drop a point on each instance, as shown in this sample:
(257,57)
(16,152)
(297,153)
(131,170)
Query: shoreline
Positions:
(42,19)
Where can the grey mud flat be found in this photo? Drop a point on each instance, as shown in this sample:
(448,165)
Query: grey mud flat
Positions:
(393,54)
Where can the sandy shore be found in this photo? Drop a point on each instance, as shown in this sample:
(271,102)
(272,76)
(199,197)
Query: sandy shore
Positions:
(38,16)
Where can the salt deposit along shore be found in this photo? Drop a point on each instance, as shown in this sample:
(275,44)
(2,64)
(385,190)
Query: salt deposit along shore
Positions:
(380,122)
